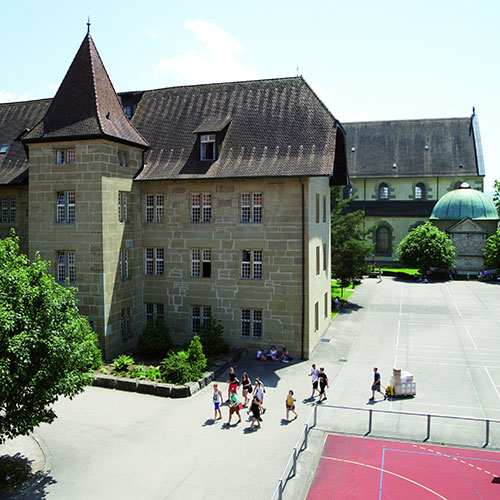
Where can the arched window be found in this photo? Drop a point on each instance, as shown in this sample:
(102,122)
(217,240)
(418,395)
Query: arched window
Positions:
(420,191)
(383,241)
(383,191)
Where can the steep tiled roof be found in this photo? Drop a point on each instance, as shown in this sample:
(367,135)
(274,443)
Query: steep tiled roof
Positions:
(275,127)
(378,145)
(86,105)
(15,118)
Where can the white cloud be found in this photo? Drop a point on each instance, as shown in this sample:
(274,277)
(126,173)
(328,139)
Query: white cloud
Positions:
(215,61)
(10,97)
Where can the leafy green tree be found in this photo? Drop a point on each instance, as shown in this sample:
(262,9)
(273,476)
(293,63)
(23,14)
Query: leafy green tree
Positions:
(155,339)
(496,195)
(47,349)
(350,248)
(491,252)
(186,365)
(425,247)
(212,338)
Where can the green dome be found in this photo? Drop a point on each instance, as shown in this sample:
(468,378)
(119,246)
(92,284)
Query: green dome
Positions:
(464,202)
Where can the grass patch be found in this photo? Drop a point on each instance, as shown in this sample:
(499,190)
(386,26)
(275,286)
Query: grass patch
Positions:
(403,270)
(343,294)
(12,474)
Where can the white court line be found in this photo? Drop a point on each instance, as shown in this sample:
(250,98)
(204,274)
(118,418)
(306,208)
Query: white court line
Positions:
(397,335)
(492,383)
(470,336)
(448,290)
(452,364)
(413,403)
(424,348)
(437,358)
(458,310)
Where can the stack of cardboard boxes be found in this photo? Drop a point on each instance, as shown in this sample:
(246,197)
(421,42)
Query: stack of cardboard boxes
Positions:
(402,383)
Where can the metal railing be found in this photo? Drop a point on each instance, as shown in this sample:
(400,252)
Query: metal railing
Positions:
(291,466)
(290,469)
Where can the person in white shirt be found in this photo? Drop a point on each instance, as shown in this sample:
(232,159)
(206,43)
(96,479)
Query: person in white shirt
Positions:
(314,379)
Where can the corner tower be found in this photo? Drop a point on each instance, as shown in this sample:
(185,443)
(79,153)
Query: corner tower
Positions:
(83,156)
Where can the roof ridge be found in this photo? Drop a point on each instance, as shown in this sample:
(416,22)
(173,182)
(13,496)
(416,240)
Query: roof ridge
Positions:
(96,100)
(376,122)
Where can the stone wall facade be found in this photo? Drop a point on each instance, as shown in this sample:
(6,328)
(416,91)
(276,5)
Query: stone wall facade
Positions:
(131,246)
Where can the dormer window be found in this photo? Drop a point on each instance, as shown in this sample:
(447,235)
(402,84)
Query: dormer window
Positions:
(128,111)
(65,156)
(207,147)
(4,148)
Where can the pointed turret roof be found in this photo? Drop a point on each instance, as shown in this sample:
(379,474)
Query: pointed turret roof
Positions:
(86,105)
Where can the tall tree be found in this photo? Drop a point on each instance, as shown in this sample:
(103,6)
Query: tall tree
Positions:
(496,195)
(491,252)
(47,349)
(350,248)
(425,247)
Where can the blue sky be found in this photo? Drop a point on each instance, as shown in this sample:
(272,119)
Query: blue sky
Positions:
(367,60)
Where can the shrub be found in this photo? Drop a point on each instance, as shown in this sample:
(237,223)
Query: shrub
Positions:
(212,338)
(184,365)
(155,339)
(123,362)
(175,368)
(140,372)
(153,373)
(197,360)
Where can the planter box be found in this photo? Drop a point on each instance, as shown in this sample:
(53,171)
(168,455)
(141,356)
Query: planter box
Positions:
(146,387)
(126,384)
(108,381)
(163,390)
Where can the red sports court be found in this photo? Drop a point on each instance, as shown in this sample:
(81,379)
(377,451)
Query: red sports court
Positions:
(353,467)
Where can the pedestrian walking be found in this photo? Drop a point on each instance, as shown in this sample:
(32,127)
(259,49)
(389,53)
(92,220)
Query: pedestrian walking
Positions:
(259,392)
(380,273)
(234,406)
(217,398)
(323,384)
(314,380)
(233,382)
(290,404)
(246,386)
(255,410)
(376,384)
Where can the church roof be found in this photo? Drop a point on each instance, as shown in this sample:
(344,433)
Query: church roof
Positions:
(414,148)
(464,202)
(86,105)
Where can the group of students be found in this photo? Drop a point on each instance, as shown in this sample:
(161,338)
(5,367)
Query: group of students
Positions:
(319,379)
(256,400)
(274,355)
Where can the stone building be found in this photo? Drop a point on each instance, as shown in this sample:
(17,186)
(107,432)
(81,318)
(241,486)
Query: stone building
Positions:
(185,202)
(469,217)
(400,169)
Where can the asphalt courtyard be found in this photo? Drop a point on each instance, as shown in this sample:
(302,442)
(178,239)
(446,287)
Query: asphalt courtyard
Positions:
(110,444)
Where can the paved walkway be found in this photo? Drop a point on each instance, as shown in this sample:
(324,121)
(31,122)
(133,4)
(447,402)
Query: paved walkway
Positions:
(116,445)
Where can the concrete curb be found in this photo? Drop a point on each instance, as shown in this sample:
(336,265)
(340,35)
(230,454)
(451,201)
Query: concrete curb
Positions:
(167,390)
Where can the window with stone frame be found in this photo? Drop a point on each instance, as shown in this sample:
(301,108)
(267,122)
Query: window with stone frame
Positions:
(383,191)
(65,210)
(154,261)
(317,208)
(324,208)
(155,208)
(123,264)
(153,310)
(420,193)
(126,324)
(201,207)
(317,261)
(326,305)
(8,210)
(66,266)
(251,264)
(122,206)
(199,315)
(251,208)
(65,156)
(383,237)
(325,257)
(316,316)
(122,158)
(201,262)
(251,323)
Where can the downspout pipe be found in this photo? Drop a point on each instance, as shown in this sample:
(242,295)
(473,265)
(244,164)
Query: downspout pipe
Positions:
(303,270)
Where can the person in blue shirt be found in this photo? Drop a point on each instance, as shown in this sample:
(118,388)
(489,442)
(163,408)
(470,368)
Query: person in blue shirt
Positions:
(376,384)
